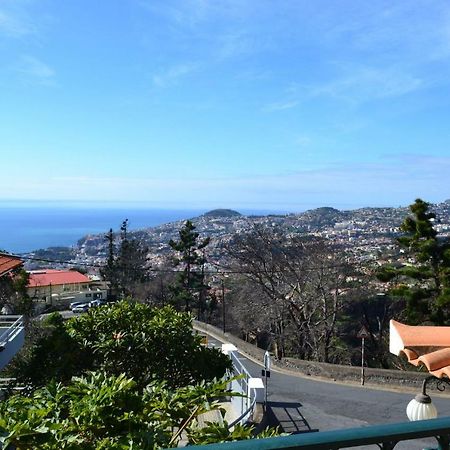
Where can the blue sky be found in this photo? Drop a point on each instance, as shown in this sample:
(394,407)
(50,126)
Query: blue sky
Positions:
(232,103)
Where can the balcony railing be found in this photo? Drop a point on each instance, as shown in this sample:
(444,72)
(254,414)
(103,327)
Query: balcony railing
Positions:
(244,405)
(9,326)
(12,336)
(385,436)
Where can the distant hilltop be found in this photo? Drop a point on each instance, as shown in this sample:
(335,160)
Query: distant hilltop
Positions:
(366,231)
(222,213)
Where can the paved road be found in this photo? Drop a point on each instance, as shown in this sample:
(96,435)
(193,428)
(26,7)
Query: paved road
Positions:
(303,404)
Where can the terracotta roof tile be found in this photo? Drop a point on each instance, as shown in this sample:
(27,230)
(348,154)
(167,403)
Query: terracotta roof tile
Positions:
(8,263)
(411,355)
(444,372)
(41,278)
(422,345)
(436,360)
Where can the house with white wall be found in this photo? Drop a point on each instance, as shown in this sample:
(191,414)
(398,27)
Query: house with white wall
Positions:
(61,287)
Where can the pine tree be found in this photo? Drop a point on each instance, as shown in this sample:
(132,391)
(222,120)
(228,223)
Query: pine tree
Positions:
(109,271)
(425,284)
(127,266)
(189,287)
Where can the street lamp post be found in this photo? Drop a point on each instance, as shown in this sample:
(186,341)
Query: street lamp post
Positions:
(421,407)
(266,374)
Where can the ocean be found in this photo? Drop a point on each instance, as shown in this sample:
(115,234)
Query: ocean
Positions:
(25,227)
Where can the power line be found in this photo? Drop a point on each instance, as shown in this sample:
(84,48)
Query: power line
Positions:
(219,270)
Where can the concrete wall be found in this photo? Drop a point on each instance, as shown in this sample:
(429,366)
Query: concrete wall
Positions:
(352,374)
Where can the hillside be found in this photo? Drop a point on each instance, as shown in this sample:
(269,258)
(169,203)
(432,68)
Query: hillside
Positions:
(366,232)
(222,213)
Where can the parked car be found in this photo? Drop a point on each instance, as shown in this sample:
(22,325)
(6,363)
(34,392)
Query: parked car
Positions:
(96,303)
(73,304)
(83,307)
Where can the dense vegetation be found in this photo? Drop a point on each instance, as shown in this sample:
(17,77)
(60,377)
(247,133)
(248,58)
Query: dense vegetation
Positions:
(134,376)
(424,282)
(303,296)
(128,338)
(103,412)
(13,292)
(118,377)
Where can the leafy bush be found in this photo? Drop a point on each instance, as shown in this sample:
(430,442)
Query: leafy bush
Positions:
(49,353)
(146,343)
(131,338)
(111,412)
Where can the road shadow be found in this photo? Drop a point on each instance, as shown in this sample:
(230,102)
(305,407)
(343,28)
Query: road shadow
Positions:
(288,416)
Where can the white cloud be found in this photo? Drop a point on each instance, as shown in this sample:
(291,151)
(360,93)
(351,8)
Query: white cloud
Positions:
(36,71)
(303,141)
(389,181)
(11,26)
(354,86)
(231,44)
(406,32)
(16,19)
(369,83)
(281,106)
(193,13)
(173,74)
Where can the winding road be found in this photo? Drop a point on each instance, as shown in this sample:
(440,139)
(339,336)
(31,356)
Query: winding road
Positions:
(301,404)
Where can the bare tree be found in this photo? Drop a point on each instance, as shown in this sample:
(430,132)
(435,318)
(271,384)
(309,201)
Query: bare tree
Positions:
(304,282)
(158,292)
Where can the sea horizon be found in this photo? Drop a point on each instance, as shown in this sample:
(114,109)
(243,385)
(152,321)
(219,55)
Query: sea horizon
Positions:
(26,227)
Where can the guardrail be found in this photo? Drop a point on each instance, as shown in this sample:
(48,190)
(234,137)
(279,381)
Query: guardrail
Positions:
(12,338)
(14,325)
(245,404)
(385,436)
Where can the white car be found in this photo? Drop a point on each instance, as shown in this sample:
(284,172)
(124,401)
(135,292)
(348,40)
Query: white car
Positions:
(82,307)
(73,304)
(96,303)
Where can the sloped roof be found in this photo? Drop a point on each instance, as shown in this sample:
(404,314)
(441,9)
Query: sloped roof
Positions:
(422,345)
(40,278)
(8,263)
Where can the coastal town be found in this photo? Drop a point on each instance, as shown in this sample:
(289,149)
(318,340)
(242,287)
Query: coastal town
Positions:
(365,235)
(225,224)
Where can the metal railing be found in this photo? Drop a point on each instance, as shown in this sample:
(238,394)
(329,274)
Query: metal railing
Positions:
(385,436)
(13,325)
(247,400)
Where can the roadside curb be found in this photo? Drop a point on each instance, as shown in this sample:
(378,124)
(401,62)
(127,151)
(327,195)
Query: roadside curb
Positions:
(376,379)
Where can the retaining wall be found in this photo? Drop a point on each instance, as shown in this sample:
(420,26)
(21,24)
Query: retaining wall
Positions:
(335,372)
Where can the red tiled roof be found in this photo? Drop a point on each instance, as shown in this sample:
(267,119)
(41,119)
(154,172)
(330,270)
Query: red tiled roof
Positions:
(422,345)
(8,263)
(41,278)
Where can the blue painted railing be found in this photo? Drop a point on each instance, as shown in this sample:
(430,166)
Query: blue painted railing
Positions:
(385,436)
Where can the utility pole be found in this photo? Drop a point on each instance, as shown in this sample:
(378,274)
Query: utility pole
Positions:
(223,307)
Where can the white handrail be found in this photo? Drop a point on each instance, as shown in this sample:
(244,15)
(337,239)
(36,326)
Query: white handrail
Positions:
(240,369)
(12,329)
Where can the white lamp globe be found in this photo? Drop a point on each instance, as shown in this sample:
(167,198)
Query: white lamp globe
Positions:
(421,408)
